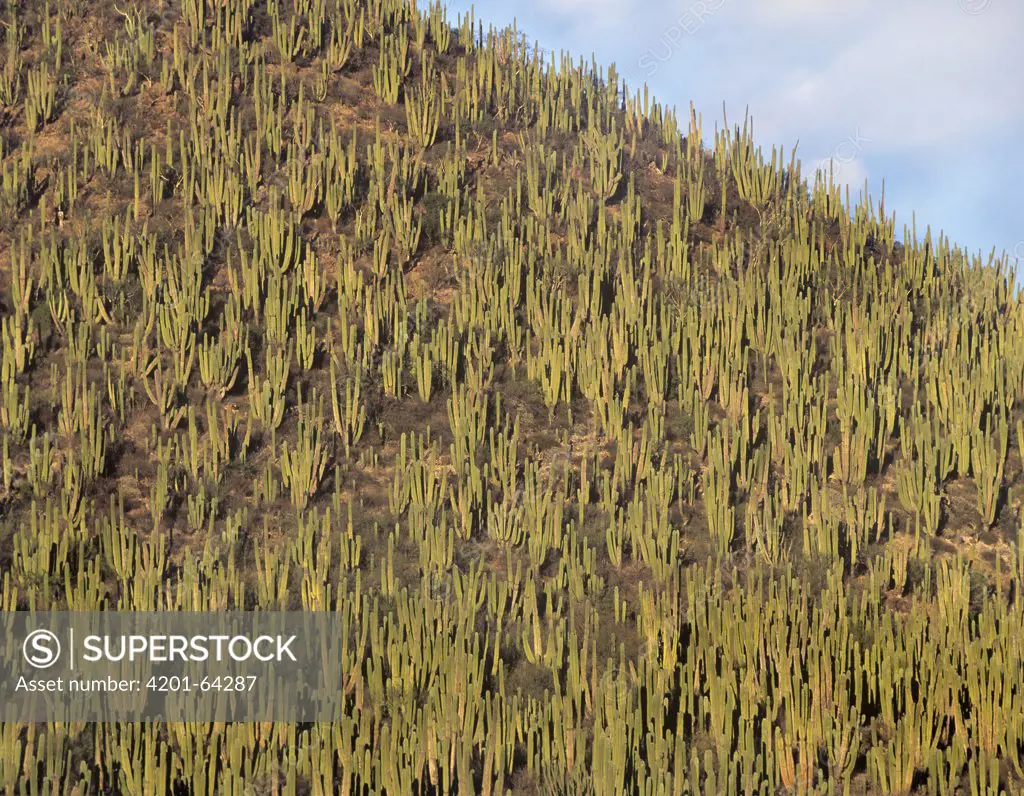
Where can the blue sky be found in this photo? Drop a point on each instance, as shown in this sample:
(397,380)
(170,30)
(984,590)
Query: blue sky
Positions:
(926,94)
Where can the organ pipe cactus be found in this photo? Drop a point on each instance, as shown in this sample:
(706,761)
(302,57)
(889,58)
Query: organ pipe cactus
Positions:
(303,466)
(556,602)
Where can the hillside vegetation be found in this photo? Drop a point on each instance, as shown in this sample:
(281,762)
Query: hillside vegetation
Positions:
(634,465)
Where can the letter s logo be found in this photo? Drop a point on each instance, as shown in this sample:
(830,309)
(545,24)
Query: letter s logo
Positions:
(41,649)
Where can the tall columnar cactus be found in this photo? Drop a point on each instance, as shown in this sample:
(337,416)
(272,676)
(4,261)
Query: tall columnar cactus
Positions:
(605,156)
(988,460)
(393,66)
(424,107)
(303,466)
(266,393)
(721,512)
(40,98)
(11,84)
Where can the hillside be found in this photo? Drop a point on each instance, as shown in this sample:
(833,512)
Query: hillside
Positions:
(636,465)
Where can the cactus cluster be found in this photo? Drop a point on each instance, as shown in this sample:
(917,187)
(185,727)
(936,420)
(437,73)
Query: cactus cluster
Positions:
(347,306)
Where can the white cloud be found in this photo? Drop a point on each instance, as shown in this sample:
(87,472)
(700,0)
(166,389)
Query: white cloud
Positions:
(584,6)
(811,12)
(844,172)
(919,92)
(592,17)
